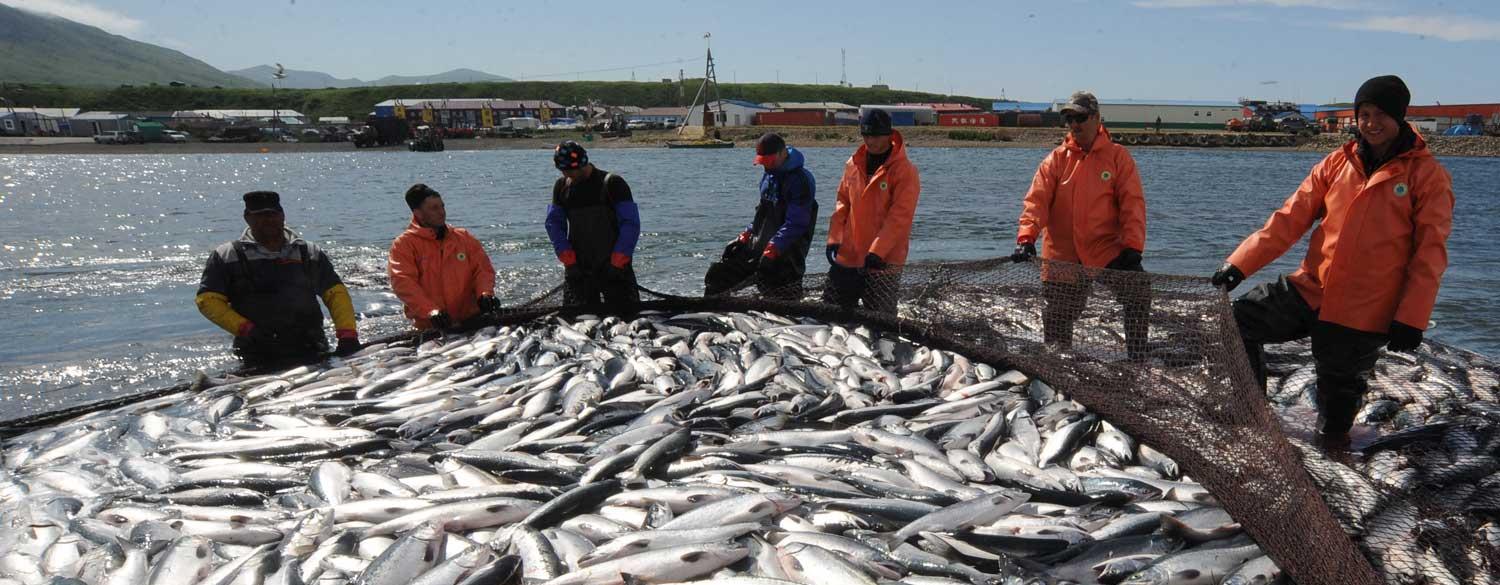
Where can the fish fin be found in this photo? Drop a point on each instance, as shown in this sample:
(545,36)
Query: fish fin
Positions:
(629,579)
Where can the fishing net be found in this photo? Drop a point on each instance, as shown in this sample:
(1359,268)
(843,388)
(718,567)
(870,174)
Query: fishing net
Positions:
(1416,501)
(1160,357)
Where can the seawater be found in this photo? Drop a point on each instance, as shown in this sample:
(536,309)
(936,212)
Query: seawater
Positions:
(100,255)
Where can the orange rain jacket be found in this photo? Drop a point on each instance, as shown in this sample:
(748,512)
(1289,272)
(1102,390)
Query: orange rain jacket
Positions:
(1089,204)
(447,274)
(873,214)
(1381,248)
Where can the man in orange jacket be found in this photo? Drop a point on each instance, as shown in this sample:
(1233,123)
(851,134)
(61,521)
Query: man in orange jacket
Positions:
(440,272)
(870,230)
(1087,199)
(1384,208)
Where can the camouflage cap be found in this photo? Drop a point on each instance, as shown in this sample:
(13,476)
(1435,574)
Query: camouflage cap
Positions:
(1082,102)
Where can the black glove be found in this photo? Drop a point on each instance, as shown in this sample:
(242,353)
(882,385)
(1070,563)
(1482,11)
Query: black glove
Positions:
(1127,260)
(488,304)
(1403,337)
(573,272)
(1024,252)
(832,251)
(263,336)
(737,247)
(1228,277)
(873,262)
(347,346)
(440,320)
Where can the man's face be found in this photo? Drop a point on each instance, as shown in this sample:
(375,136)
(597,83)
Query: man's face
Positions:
(576,174)
(1375,126)
(776,161)
(1082,127)
(266,226)
(431,214)
(878,144)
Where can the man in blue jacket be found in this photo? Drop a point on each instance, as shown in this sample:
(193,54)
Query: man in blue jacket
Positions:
(775,245)
(594,225)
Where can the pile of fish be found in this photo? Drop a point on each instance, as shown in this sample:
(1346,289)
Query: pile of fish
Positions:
(738,448)
(1422,497)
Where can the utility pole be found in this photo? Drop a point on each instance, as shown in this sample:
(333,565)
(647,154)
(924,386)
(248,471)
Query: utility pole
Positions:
(843,68)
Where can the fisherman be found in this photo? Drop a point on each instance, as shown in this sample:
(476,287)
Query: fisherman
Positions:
(441,273)
(870,230)
(594,225)
(1086,198)
(775,245)
(1383,206)
(263,289)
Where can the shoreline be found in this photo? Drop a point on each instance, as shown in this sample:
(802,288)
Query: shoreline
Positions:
(800,136)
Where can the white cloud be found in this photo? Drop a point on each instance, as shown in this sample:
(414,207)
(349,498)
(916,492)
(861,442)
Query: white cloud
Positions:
(1448,28)
(85,13)
(1328,4)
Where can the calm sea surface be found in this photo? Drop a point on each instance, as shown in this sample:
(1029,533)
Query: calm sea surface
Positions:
(100,255)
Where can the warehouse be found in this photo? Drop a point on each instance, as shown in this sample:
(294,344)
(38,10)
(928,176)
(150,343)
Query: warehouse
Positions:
(735,113)
(1173,115)
(905,115)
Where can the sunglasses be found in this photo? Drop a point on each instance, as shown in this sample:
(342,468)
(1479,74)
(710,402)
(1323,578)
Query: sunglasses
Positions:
(1076,118)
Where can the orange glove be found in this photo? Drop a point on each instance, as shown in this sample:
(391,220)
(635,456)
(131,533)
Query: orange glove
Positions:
(770,253)
(568,257)
(619,260)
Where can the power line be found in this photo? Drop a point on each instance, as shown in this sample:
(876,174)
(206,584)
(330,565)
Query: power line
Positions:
(608,70)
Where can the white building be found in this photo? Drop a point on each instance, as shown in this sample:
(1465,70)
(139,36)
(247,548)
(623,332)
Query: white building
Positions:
(1174,115)
(735,113)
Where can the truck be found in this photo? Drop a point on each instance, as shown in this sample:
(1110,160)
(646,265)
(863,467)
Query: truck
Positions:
(381,132)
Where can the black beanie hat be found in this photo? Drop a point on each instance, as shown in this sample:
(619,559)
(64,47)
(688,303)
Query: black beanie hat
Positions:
(419,193)
(876,122)
(1388,93)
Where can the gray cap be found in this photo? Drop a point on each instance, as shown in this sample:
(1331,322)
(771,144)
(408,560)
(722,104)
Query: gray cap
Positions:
(1082,102)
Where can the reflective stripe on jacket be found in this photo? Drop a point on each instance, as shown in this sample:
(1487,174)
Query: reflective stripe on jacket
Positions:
(1380,250)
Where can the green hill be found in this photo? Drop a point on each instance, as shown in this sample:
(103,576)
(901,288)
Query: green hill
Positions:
(356,102)
(47,49)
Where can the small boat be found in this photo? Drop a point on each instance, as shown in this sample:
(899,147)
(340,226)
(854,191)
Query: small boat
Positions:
(704,143)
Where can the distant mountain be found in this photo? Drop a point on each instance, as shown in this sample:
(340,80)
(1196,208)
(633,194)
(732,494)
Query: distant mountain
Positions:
(300,79)
(41,48)
(454,76)
(295,78)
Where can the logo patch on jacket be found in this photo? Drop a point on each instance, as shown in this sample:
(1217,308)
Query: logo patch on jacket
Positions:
(883,185)
(1105,176)
(462,256)
(1401,189)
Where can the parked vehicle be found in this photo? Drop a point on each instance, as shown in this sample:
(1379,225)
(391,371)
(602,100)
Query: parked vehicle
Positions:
(117,137)
(174,136)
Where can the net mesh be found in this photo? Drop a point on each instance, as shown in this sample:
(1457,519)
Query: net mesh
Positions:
(1414,499)
(1160,357)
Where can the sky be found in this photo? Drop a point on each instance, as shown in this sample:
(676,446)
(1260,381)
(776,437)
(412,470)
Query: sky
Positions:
(1309,51)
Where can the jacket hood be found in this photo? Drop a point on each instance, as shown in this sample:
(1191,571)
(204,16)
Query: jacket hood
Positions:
(1102,138)
(1418,148)
(898,150)
(794,161)
(425,233)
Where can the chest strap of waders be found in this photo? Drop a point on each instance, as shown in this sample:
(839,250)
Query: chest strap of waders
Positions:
(239,253)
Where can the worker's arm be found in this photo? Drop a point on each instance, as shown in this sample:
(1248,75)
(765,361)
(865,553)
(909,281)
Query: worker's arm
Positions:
(405,279)
(1132,202)
(484,271)
(1432,221)
(840,219)
(1287,225)
(895,229)
(557,223)
(1038,202)
(213,298)
(800,192)
(336,298)
(628,216)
